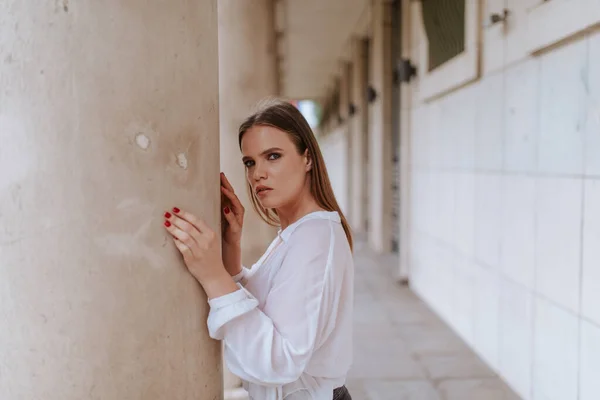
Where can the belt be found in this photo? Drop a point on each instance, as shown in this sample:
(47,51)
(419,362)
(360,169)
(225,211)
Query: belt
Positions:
(341,393)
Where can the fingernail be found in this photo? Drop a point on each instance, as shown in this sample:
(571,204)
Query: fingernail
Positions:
(176,210)
(167,215)
(167,224)
(226,210)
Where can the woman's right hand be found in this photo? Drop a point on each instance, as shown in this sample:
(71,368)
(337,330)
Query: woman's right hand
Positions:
(232,217)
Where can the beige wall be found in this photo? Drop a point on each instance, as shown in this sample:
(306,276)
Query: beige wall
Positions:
(108,117)
(505,207)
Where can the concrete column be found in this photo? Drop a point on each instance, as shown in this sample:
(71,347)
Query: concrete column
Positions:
(247,74)
(108,117)
(405,153)
(344,76)
(380,129)
(345,88)
(358,132)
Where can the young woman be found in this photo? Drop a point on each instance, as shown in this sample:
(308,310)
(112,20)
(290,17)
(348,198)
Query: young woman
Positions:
(286,323)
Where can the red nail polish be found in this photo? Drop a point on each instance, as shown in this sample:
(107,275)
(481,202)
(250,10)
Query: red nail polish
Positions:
(167,215)
(176,210)
(167,224)
(226,210)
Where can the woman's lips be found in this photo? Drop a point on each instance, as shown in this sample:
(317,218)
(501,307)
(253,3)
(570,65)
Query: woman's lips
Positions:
(262,192)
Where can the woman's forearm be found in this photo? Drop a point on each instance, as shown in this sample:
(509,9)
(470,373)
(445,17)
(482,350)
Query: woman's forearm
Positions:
(232,258)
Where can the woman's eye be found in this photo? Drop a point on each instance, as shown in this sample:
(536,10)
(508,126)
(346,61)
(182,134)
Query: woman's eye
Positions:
(248,163)
(274,156)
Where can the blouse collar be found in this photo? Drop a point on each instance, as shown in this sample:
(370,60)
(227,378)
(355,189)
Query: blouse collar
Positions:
(330,215)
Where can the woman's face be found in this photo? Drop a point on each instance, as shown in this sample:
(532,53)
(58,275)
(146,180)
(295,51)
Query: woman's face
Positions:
(275,170)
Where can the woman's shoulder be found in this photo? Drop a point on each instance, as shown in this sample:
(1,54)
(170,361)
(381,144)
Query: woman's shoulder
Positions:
(315,226)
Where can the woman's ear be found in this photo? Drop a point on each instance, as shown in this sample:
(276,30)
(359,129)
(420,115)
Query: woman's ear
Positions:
(307,160)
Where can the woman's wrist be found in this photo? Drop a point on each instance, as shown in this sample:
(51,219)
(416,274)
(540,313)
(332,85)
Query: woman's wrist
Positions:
(219,285)
(232,258)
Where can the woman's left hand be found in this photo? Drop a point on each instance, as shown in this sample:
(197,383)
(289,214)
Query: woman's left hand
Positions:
(198,244)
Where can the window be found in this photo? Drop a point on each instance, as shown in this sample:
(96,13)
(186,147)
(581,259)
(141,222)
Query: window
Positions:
(444,23)
(449,45)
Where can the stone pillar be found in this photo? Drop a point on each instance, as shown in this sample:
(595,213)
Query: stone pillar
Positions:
(405,153)
(380,130)
(247,74)
(358,132)
(345,71)
(108,117)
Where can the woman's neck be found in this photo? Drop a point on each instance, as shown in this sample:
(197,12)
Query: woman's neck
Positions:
(293,212)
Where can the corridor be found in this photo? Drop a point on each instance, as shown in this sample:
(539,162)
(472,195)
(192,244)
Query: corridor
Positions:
(403,351)
(461,138)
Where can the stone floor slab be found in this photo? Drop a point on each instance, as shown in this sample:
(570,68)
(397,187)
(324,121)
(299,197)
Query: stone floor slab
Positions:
(476,389)
(400,390)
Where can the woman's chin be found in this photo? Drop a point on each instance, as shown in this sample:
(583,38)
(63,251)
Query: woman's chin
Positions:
(268,203)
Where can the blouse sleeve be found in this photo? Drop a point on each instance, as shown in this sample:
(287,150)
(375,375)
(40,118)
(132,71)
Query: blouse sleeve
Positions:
(272,346)
(241,276)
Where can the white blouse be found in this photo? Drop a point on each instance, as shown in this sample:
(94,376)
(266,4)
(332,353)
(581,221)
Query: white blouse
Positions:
(287,332)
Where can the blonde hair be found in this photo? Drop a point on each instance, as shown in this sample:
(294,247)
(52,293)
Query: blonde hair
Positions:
(286,117)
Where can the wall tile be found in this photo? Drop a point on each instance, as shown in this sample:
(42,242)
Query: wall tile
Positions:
(442,280)
(464,215)
(518,229)
(488,228)
(589,388)
(461,140)
(521,117)
(516,337)
(556,364)
(562,109)
(590,304)
(461,315)
(447,132)
(489,146)
(487,314)
(445,205)
(558,231)
(592,138)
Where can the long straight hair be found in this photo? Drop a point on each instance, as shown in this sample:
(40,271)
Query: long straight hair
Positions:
(287,118)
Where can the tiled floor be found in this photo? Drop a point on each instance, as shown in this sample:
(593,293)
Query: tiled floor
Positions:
(403,351)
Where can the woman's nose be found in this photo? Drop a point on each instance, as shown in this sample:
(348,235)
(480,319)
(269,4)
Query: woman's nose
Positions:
(259,172)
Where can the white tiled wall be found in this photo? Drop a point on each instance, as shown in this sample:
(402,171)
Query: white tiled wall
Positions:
(592,137)
(590,296)
(515,338)
(563,73)
(334,148)
(555,352)
(518,224)
(505,211)
(521,91)
(558,240)
(589,362)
